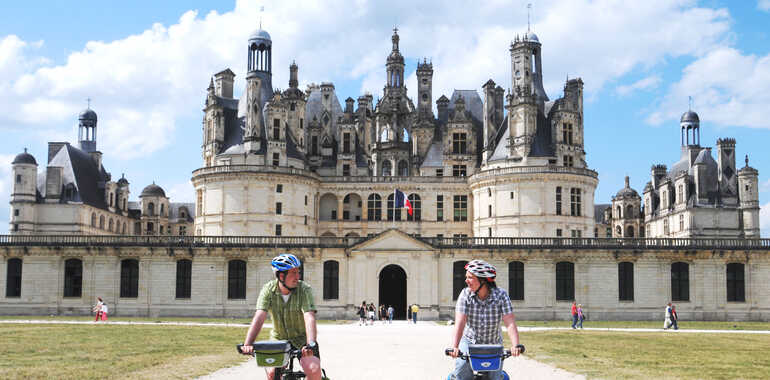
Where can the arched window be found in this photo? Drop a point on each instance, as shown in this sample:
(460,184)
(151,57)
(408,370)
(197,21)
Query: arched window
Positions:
(183,278)
(516,280)
(236,280)
(629,211)
(101,222)
(123,231)
(129,278)
(111,225)
(328,207)
(403,168)
(331,280)
(680,281)
(565,281)
(374,207)
(93,219)
(619,213)
(458,278)
(736,291)
(151,209)
(393,212)
(626,281)
(414,199)
(13,278)
(619,231)
(387,168)
(161,209)
(73,278)
(630,231)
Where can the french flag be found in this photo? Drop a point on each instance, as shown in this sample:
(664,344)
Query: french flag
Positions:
(402,201)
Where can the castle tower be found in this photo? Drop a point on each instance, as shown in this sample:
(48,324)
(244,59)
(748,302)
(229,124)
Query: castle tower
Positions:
(87,130)
(748,192)
(690,129)
(23,196)
(394,68)
(425,89)
(295,101)
(626,215)
(528,97)
(490,118)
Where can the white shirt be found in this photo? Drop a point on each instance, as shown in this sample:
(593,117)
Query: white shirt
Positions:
(105,309)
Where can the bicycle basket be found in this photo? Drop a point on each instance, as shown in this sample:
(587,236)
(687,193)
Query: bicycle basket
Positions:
(485,357)
(272,353)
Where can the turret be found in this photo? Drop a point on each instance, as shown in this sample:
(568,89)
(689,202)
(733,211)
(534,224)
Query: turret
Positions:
(395,68)
(87,130)
(223,82)
(442,104)
(23,194)
(425,89)
(526,68)
(748,192)
(490,117)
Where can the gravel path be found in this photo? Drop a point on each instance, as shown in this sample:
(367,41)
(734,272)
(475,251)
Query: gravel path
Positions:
(397,351)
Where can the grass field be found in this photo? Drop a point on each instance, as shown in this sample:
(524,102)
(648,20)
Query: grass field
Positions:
(684,325)
(638,355)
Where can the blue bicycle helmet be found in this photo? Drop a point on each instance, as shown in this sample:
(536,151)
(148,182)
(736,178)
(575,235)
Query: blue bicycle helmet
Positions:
(284,262)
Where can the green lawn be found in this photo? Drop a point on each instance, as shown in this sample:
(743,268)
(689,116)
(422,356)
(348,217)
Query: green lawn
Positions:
(684,325)
(608,354)
(244,321)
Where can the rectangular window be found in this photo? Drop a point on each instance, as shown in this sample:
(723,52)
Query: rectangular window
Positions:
(516,280)
(314,145)
(511,194)
(16,212)
(277,230)
(680,194)
(681,222)
(736,286)
(565,281)
(459,143)
(439,208)
(567,133)
(490,231)
(346,170)
(576,233)
(183,279)
(558,232)
(460,208)
(276,159)
(18,178)
(626,281)
(458,170)
(346,143)
(301,123)
(489,208)
(276,129)
(345,215)
(305,200)
(439,172)
(575,202)
(334,215)
(558,200)
(278,208)
(279,188)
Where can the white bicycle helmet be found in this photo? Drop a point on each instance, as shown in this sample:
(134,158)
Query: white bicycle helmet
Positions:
(481,268)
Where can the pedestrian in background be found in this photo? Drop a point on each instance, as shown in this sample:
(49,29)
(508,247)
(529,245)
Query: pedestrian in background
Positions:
(574,314)
(105,311)
(97,309)
(390,313)
(362,314)
(674,317)
(415,309)
(580,315)
(667,322)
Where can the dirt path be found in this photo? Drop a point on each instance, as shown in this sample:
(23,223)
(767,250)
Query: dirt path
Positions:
(397,351)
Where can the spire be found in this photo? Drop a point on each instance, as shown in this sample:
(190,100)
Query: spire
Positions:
(261,12)
(529,9)
(395,39)
(627,182)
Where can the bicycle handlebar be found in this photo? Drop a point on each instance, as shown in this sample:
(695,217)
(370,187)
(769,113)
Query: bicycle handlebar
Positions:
(506,353)
(254,346)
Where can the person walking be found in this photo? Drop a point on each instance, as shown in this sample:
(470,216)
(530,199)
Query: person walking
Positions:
(581,316)
(674,317)
(370,311)
(390,313)
(409,313)
(481,306)
(415,309)
(105,311)
(574,314)
(97,309)
(362,314)
(667,322)
(383,314)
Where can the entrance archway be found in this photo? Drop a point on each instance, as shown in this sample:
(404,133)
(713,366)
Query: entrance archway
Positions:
(393,289)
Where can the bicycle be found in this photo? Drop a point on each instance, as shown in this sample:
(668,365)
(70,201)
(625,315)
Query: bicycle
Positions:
(485,358)
(280,355)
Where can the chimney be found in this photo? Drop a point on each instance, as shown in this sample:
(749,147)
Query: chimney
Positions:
(97,157)
(293,82)
(442,104)
(349,105)
(223,82)
(53,182)
(657,173)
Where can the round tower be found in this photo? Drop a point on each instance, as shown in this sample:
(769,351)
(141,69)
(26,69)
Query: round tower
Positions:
(690,128)
(748,193)
(23,195)
(87,130)
(394,66)
(626,213)
(154,205)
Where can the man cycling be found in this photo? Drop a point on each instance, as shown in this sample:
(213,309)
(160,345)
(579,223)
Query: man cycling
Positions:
(292,309)
(480,307)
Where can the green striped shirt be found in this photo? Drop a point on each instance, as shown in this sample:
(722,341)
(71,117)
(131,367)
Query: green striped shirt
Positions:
(288,317)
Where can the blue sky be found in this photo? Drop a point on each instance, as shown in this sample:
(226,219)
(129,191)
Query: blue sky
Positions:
(146,66)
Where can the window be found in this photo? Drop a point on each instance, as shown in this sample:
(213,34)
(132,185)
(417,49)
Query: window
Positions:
(150,228)
(512,195)
(565,281)
(182,230)
(626,281)
(73,278)
(306,220)
(567,133)
(18,178)
(278,208)
(334,215)
(736,290)
(93,219)
(374,207)
(387,169)
(680,282)
(664,197)
(276,129)
(403,168)
(608,232)
(458,170)
(460,208)
(681,222)
(112,197)
(314,145)
(439,172)
(346,170)
(151,209)
(331,280)
(558,200)
(458,278)
(183,278)
(459,143)
(276,159)
(576,233)
(575,202)
(516,280)
(301,123)
(665,226)
(279,188)
(346,143)
(568,161)
(394,214)
(16,212)
(101,222)
(13,278)
(559,232)
(680,193)
(305,200)
(439,208)
(629,211)
(416,216)
(161,229)
(292,106)
(110,225)
(236,280)
(278,230)
(129,278)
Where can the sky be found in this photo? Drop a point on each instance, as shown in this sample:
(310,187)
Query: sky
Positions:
(146,65)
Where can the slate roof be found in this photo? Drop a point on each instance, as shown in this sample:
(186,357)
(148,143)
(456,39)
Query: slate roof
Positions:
(315,109)
(78,169)
(599,212)
(434,158)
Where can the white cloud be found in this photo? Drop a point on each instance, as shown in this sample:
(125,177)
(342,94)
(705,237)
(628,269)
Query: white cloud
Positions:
(764,5)
(647,83)
(143,84)
(764,220)
(181,192)
(728,88)
(5,189)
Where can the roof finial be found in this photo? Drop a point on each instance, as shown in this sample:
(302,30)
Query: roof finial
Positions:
(689,101)
(529,8)
(25,151)
(89,102)
(395,30)
(261,11)
(747,158)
